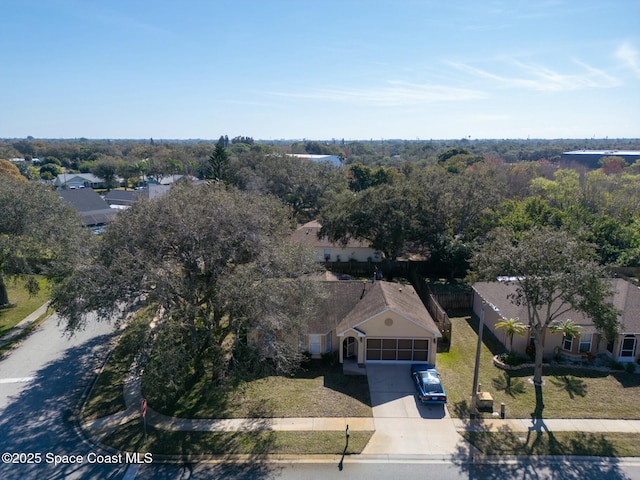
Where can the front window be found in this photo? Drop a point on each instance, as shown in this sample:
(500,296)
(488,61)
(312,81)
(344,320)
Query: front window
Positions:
(315,344)
(567,343)
(585,344)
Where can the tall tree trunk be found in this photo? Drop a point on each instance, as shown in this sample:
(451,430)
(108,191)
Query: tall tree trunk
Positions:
(537,371)
(4,294)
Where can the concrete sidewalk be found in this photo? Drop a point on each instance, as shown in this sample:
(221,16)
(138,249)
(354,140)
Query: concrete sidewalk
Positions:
(548,424)
(20,327)
(133,397)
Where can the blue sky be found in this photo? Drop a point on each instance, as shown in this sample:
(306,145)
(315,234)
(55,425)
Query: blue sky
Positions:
(353,69)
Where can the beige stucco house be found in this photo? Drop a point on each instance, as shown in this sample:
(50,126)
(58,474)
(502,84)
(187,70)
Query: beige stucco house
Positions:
(326,251)
(624,348)
(372,322)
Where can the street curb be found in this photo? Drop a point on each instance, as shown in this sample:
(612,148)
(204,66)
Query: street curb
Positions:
(17,334)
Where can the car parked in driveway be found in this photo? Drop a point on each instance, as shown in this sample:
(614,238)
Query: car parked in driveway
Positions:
(427,381)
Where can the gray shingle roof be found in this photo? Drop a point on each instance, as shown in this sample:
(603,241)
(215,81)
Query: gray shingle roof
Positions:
(626,298)
(92,207)
(350,303)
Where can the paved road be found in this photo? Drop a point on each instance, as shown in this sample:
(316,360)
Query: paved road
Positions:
(401,468)
(41,383)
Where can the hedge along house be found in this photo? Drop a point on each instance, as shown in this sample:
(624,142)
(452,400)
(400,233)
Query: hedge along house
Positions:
(372,322)
(624,348)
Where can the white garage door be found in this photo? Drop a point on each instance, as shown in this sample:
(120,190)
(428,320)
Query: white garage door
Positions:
(402,349)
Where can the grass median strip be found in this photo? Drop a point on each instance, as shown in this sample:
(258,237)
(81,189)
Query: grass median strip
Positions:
(22,303)
(130,437)
(559,443)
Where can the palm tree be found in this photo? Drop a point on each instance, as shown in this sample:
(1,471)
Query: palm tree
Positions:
(511,327)
(568,328)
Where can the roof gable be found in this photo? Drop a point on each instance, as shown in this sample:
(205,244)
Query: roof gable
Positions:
(381,297)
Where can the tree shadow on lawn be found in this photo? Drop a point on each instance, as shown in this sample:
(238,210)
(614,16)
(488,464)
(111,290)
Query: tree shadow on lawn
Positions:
(512,386)
(355,386)
(253,446)
(572,385)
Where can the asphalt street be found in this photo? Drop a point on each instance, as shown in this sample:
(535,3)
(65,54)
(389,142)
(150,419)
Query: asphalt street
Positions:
(41,384)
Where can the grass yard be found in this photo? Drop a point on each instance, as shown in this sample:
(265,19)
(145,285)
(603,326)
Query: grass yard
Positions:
(107,395)
(130,437)
(567,393)
(318,391)
(22,304)
(559,443)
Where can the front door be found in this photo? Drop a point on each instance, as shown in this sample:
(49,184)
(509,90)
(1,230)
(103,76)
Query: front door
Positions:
(350,348)
(628,348)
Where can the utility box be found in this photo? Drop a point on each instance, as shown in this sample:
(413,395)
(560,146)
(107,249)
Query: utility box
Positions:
(484,401)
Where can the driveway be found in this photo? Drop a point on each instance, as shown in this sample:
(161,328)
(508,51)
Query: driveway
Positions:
(403,425)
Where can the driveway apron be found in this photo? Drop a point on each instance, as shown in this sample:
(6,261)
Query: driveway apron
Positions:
(404,426)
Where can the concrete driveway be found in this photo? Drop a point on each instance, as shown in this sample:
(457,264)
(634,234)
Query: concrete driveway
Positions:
(404,426)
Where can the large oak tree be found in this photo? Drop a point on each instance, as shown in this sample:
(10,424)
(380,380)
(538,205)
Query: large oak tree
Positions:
(215,265)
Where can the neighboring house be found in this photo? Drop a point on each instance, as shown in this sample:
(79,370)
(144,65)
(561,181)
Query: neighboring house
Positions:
(170,180)
(78,180)
(125,198)
(624,348)
(332,159)
(326,251)
(93,209)
(372,322)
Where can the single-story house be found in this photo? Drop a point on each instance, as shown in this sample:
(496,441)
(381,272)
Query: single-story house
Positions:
(624,348)
(78,180)
(371,322)
(326,251)
(91,206)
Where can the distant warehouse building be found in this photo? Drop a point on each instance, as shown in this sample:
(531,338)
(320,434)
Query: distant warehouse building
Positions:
(592,158)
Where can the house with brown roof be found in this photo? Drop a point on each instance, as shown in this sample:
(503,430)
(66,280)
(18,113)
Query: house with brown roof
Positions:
(624,348)
(372,322)
(326,251)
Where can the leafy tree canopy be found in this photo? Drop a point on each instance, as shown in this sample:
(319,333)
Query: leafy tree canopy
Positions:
(553,273)
(39,233)
(214,262)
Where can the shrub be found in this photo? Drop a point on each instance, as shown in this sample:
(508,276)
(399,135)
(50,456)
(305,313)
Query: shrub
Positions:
(330,359)
(616,365)
(630,367)
(511,359)
(531,351)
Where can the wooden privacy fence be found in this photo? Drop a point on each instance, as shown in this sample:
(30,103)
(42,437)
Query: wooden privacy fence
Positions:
(440,317)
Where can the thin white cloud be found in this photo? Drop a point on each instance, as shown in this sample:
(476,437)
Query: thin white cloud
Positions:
(531,76)
(629,56)
(397,93)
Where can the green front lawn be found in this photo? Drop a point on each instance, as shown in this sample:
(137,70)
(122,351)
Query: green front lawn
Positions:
(130,437)
(21,303)
(317,391)
(566,393)
(611,444)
